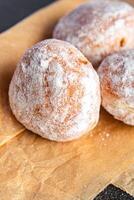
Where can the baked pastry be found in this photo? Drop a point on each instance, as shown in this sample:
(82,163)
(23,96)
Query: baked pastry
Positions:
(98,29)
(55,91)
(117,85)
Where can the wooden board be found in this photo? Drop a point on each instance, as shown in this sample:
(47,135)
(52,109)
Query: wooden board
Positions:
(37,169)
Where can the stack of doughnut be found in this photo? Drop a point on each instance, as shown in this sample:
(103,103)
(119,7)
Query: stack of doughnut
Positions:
(56,93)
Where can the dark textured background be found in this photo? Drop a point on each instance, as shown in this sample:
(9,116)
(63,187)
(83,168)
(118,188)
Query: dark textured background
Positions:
(12,11)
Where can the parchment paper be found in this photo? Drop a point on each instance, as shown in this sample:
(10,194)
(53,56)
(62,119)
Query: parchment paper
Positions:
(126,181)
(32,168)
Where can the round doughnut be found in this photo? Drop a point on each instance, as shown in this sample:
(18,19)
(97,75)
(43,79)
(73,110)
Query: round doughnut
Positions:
(55,92)
(117,85)
(98,29)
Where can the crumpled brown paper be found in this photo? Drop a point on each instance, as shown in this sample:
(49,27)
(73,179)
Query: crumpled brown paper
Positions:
(32,168)
(126,181)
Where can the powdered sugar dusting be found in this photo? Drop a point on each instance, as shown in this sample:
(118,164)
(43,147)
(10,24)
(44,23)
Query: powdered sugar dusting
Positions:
(55,91)
(117,83)
(97,29)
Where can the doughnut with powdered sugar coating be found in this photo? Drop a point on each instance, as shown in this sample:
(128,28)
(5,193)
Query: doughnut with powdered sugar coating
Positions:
(55,91)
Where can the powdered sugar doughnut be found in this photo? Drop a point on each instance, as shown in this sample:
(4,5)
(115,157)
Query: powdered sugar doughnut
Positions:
(55,91)
(117,85)
(98,28)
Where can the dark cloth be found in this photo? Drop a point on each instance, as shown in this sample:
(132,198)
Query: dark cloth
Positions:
(12,11)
